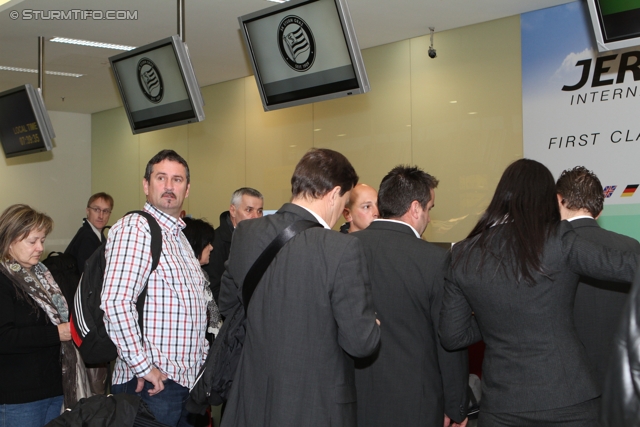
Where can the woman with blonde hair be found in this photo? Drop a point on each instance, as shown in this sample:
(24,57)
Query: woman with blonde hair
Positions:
(38,362)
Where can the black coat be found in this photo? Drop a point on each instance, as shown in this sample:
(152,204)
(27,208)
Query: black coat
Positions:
(220,253)
(599,304)
(83,244)
(310,310)
(411,380)
(533,360)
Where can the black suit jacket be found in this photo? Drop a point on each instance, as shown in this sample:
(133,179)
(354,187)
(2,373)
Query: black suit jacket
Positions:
(598,304)
(534,360)
(411,380)
(312,307)
(83,244)
(219,254)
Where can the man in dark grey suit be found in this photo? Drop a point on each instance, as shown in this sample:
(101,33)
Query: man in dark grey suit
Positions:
(598,304)
(411,380)
(311,310)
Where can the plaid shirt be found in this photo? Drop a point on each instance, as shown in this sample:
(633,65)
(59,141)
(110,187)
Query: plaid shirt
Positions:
(175,316)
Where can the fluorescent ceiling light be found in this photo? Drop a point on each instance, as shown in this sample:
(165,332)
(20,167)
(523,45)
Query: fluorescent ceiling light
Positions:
(278,1)
(29,70)
(92,44)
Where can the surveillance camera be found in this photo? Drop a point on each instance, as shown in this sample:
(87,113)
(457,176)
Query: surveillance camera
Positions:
(432,53)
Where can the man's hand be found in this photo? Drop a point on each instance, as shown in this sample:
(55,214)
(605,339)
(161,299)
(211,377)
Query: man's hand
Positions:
(156,378)
(448,423)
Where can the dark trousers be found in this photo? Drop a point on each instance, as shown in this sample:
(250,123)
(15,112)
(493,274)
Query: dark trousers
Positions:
(168,406)
(585,414)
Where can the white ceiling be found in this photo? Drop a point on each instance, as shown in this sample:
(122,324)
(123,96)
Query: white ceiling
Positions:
(212,34)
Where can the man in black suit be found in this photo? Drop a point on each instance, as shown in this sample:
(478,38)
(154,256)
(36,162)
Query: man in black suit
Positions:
(598,304)
(89,237)
(412,380)
(311,310)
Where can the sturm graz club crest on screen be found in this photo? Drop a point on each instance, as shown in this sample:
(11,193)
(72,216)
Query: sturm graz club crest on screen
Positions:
(296,43)
(150,80)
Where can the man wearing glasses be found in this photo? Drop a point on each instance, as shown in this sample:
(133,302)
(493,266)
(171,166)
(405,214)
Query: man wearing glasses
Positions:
(89,237)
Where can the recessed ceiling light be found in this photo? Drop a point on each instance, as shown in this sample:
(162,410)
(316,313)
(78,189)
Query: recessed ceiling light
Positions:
(453,102)
(473,112)
(317,130)
(342,134)
(92,44)
(278,1)
(29,70)
(292,146)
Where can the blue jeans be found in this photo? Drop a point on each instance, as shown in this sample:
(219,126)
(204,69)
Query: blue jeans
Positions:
(32,414)
(168,406)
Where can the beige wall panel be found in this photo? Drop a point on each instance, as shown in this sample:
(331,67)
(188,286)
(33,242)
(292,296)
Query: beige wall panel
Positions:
(55,182)
(151,143)
(373,130)
(115,154)
(466,144)
(217,150)
(276,140)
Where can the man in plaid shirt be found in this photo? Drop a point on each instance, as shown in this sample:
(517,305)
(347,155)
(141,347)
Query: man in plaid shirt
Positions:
(161,364)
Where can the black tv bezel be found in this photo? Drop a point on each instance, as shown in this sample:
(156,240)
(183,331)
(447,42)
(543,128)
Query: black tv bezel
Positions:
(606,42)
(188,78)
(358,85)
(41,117)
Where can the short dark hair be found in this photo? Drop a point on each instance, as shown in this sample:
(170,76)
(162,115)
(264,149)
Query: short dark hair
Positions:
(165,155)
(401,187)
(107,198)
(236,197)
(319,171)
(580,188)
(199,233)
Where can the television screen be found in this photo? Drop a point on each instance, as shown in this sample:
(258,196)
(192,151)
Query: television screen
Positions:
(25,127)
(158,86)
(616,23)
(304,51)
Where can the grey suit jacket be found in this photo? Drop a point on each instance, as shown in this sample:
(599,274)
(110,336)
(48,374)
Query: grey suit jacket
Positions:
(599,304)
(411,380)
(534,360)
(312,307)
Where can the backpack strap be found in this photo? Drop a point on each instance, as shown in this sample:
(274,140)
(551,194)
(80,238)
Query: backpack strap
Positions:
(156,250)
(258,268)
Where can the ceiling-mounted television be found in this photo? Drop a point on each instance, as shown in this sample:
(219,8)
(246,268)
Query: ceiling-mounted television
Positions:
(616,23)
(25,127)
(158,86)
(304,51)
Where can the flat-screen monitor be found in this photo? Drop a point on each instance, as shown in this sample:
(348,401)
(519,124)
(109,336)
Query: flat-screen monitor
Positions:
(616,23)
(25,127)
(304,51)
(158,86)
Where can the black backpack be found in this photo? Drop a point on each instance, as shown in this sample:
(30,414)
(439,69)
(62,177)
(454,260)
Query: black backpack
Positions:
(216,375)
(87,323)
(64,269)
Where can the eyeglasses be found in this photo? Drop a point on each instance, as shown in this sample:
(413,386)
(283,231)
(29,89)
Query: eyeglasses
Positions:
(97,210)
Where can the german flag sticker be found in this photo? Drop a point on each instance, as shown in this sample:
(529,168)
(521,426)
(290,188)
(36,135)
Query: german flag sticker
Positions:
(628,192)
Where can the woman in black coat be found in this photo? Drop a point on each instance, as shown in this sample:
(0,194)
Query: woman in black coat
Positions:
(33,324)
(512,284)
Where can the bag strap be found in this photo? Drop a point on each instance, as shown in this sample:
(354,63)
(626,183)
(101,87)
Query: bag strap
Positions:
(156,250)
(258,268)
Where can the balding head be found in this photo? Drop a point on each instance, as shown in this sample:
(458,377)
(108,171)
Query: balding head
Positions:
(362,207)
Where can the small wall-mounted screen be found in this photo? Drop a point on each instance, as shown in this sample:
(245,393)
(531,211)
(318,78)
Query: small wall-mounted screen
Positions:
(25,127)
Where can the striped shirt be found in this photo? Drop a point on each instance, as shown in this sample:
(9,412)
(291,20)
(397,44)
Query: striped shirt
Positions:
(175,318)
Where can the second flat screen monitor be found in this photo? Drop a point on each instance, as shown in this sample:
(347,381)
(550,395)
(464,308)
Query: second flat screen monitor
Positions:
(158,86)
